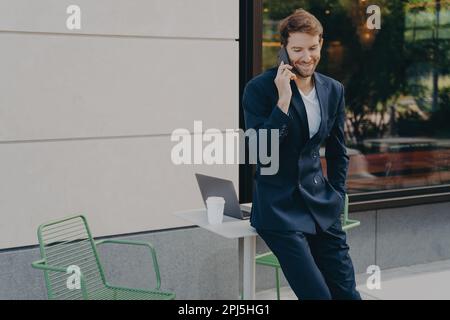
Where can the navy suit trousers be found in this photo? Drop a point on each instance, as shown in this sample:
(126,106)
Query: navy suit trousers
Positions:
(317,266)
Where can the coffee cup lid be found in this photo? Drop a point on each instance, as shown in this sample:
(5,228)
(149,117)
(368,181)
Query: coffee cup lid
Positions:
(215,199)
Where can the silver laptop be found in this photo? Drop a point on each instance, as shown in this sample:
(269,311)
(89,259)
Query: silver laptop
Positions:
(216,187)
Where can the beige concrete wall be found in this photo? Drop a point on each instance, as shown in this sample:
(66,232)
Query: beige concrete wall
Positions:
(86,116)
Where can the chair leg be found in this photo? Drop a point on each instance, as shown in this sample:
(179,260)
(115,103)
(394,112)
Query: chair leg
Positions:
(277,275)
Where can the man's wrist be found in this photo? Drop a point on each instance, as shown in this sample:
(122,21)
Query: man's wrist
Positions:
(283,106)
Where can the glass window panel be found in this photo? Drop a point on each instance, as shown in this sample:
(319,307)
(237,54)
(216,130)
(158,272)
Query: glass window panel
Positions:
(397,86)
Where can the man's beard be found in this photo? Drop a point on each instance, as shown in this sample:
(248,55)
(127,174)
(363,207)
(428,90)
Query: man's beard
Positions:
(305,73)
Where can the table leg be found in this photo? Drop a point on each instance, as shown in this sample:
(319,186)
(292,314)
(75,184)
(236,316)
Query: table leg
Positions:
(247,250)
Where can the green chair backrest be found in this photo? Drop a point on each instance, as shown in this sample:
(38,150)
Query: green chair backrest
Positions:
(66,243)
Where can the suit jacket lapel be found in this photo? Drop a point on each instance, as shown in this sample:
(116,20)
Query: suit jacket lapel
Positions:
(322,96)
(299,107)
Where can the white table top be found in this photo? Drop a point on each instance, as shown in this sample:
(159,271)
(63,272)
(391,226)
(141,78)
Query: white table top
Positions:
(230,228)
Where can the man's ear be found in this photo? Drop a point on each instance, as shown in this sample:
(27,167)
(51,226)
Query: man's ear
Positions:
(321,42)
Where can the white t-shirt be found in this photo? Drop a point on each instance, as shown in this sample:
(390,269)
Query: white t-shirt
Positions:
(312,111)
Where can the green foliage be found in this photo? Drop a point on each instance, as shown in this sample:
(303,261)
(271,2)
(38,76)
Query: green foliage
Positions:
(439,121)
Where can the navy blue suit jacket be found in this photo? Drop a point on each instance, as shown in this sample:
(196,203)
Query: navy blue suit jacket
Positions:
(298,197)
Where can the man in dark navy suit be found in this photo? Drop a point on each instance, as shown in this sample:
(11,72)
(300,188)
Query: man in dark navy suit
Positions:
(297,210)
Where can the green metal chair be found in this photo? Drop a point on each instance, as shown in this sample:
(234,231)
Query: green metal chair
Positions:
(68,242)
(270,260)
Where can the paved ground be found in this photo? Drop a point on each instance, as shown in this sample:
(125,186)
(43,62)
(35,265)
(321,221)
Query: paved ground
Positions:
(417,282)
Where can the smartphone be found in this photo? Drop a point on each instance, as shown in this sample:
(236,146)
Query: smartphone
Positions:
(283,56)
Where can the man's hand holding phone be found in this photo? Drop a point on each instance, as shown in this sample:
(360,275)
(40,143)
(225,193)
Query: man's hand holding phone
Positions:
(283,83)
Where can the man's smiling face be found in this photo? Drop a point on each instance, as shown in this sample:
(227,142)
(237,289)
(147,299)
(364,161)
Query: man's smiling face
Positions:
(304,53)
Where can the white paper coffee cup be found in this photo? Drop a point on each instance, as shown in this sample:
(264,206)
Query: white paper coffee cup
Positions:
(215,207)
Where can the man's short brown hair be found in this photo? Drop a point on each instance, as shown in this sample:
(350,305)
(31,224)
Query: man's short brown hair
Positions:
(300,21)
